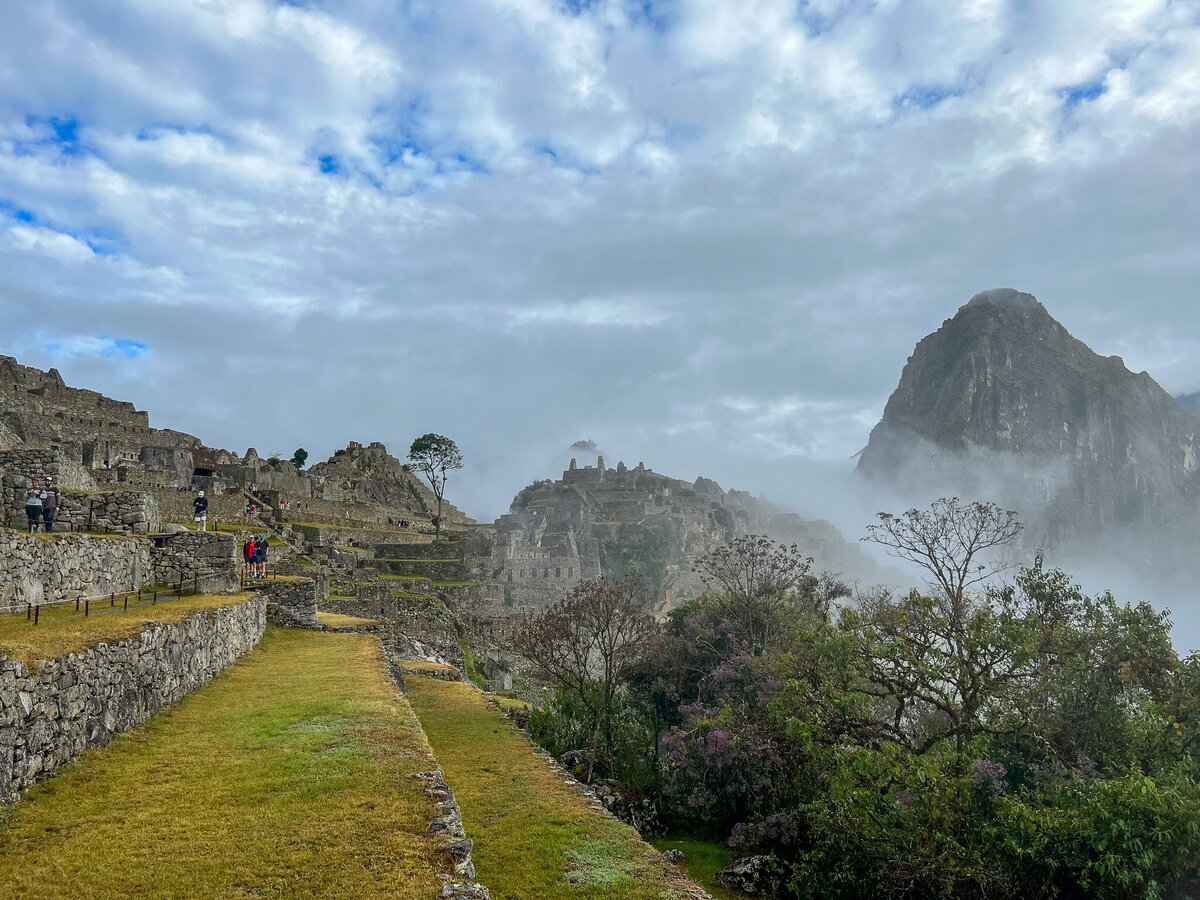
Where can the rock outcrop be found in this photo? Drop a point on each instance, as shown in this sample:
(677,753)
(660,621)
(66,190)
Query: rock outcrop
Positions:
(1002,403)
(372,475)
(598,520)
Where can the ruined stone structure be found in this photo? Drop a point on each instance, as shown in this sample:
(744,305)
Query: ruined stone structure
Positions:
(201,561)
(50,715)
(598,520)
(36,570)
(39,411)
(294,601)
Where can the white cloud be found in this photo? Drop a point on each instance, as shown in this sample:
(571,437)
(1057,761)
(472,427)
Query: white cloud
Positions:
(719,219)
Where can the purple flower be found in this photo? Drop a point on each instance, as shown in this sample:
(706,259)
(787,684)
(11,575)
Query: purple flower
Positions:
(986,773)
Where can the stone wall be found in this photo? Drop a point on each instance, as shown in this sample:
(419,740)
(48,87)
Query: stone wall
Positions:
(294,602)
(207,561)
(344,537)
(38,569)
(176,506)
(118,512)
(48,717)
(41,463)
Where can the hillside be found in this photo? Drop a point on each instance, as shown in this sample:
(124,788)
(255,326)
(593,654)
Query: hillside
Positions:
(597,520)
(1003,402)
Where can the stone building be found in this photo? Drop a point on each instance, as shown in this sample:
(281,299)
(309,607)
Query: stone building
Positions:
(598,520)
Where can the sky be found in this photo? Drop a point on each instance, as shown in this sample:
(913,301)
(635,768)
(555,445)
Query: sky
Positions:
(705,234)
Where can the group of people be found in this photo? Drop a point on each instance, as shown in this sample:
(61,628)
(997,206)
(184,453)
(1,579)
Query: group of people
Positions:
(255,552)
(41,505)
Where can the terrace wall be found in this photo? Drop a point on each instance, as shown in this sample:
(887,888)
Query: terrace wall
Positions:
(44,568)
(51,715)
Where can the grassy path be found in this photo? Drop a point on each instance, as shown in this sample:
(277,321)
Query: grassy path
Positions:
(290,775)
(535,837)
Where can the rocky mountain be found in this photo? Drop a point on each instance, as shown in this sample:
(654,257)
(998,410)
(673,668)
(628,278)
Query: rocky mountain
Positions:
(370,474)
(1002,403)
(1189,401)
(598,520)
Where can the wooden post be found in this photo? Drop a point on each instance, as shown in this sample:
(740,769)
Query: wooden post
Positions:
(154,601)
(28,611)
(36,612)
(86,604)
(126,603)
(112,601)
(76,604)
(180,584)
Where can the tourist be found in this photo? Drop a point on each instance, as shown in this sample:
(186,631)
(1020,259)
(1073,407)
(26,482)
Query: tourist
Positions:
(248,555)
(33,505)
(260,555)
(51,501)
(201,506)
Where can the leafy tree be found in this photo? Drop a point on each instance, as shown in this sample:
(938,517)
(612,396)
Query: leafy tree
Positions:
(588,643)
(435,456)
(761,589)
(299,458)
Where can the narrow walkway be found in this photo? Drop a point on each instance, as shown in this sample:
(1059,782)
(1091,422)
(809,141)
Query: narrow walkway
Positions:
(292,774)
(535,837)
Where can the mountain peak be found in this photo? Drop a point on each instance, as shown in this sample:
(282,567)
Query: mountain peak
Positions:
(1006,298)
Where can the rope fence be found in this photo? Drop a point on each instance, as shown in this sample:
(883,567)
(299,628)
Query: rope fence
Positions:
(140,597)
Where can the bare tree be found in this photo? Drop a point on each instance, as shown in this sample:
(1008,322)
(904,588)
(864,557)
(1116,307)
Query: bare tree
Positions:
(948,541)
(588,643)
(927,669)
(761,587)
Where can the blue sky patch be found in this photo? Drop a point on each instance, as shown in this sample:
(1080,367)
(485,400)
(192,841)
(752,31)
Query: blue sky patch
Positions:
(329,164)
(925,96)
(1083,93)
(96,345)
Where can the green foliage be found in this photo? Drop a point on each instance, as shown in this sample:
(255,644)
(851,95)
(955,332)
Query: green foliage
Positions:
(435,456)
(644,552)
(299,458)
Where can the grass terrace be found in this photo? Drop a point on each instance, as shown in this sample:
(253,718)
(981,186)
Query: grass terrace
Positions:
(337,620)
(702,861)
(62,630)
(292,774)
(535,837)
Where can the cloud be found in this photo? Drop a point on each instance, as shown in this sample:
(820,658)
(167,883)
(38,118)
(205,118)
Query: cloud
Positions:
(705,234)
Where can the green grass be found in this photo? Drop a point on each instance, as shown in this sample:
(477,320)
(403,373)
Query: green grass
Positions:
(405,578)
(704,859)
(290,775)
(337,620)
(61,630)
(509,702)
(535,837)
(445,582)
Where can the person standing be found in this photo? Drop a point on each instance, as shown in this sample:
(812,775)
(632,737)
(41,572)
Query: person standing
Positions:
(260,555)
(248,555)
(33,505)
(200,504)
(51,501)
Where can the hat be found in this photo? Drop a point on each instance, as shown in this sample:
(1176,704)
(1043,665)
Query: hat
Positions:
(202,493)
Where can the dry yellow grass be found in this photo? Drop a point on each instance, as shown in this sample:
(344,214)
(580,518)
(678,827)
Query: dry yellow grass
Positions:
(62,630)
(292,774)
(337,620)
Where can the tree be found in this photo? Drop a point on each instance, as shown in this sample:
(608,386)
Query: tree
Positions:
(299,458)
(589,643)
(761,589)
(947,541)
(435,455)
